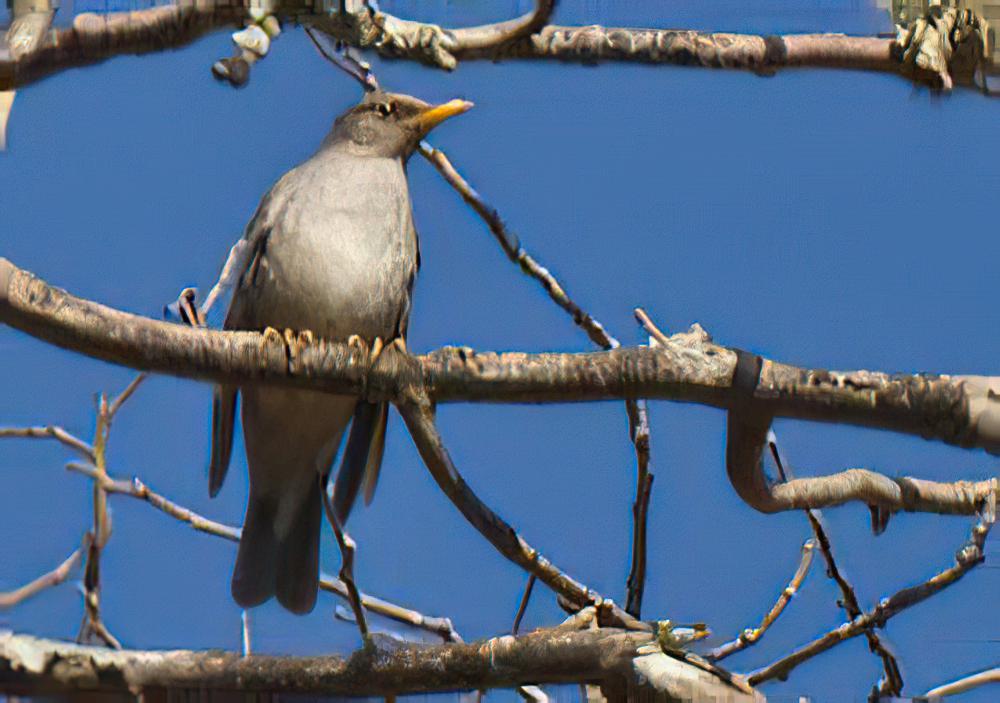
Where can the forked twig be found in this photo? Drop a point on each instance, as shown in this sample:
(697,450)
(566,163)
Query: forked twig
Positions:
(140,491)
(892,684)
(970,555)
(750,637)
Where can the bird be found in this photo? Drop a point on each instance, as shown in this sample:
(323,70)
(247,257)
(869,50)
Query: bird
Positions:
(331,251)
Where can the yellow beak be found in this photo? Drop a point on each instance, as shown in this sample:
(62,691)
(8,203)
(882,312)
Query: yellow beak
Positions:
(433,116)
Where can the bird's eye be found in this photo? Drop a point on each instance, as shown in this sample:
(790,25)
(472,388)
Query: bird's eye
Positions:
(385,109)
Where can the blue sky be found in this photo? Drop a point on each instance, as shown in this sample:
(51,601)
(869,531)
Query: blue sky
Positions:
(823,218)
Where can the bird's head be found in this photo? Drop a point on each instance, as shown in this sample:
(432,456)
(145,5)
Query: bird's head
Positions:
(390,124)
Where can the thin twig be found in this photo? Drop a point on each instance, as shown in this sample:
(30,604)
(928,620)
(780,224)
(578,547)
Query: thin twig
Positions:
(47,580)
(966,559)
(638,421)
(347,551)
(636,410)
(966,683)
(892,684)
(750,637)
(245,631)
(100,534)
(50,432)
(348,64)
(528,588)
(140,491)
(131,388)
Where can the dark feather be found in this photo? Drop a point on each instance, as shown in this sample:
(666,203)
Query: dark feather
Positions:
(361,457)
(223,418)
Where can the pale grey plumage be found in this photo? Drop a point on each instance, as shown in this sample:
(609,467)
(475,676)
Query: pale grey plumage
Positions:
(332,249)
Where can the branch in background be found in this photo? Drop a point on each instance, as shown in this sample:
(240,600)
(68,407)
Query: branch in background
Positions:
(612,657)
(966,683)
(420,421)
(942,49)
(139,490)
(892,683)
(93,38)
(50,432)
(750,637)
(966,559)
(962,410)
(48,580)
(347,552)
(93,625)
(523,605)
(636,410)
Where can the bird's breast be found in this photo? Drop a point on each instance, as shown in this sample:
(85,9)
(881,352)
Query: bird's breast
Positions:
(341,251)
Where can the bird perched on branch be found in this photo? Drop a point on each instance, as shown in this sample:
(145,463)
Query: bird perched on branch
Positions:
(331,251)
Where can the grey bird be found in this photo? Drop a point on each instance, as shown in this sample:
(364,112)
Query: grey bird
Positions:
(331,250)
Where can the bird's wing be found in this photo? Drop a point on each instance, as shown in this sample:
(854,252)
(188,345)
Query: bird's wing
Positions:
(224,397)
(362,460)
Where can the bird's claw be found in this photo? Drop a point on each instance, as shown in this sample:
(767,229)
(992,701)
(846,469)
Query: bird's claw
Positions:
(271,336)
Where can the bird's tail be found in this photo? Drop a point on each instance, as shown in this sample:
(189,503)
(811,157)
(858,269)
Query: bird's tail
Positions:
(279,551)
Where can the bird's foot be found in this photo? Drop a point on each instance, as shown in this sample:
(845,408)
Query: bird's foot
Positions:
(271,336)
(297,341)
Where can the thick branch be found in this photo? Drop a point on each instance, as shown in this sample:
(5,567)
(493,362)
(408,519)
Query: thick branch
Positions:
(419,418)
(93,38)
(941,58)
(35,666)
(962,410)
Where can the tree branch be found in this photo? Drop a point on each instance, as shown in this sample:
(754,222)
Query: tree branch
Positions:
(892,684)
(966,683)
(419,418)
(47,580)
(50,432)
(750,637)
(29,665)
(968,557)
(961,410)
(946,54)
(140,491)
(635,410)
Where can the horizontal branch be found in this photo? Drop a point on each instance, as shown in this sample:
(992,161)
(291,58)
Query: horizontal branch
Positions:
(941,50)
(961,410)
(29,665)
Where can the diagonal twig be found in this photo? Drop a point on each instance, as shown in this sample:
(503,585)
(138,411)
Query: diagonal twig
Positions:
(347,552)
(636,410)
(47,580)
(967,558)
(420,421)
(750,637)
(966,683)
(892,683)
(528,588)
